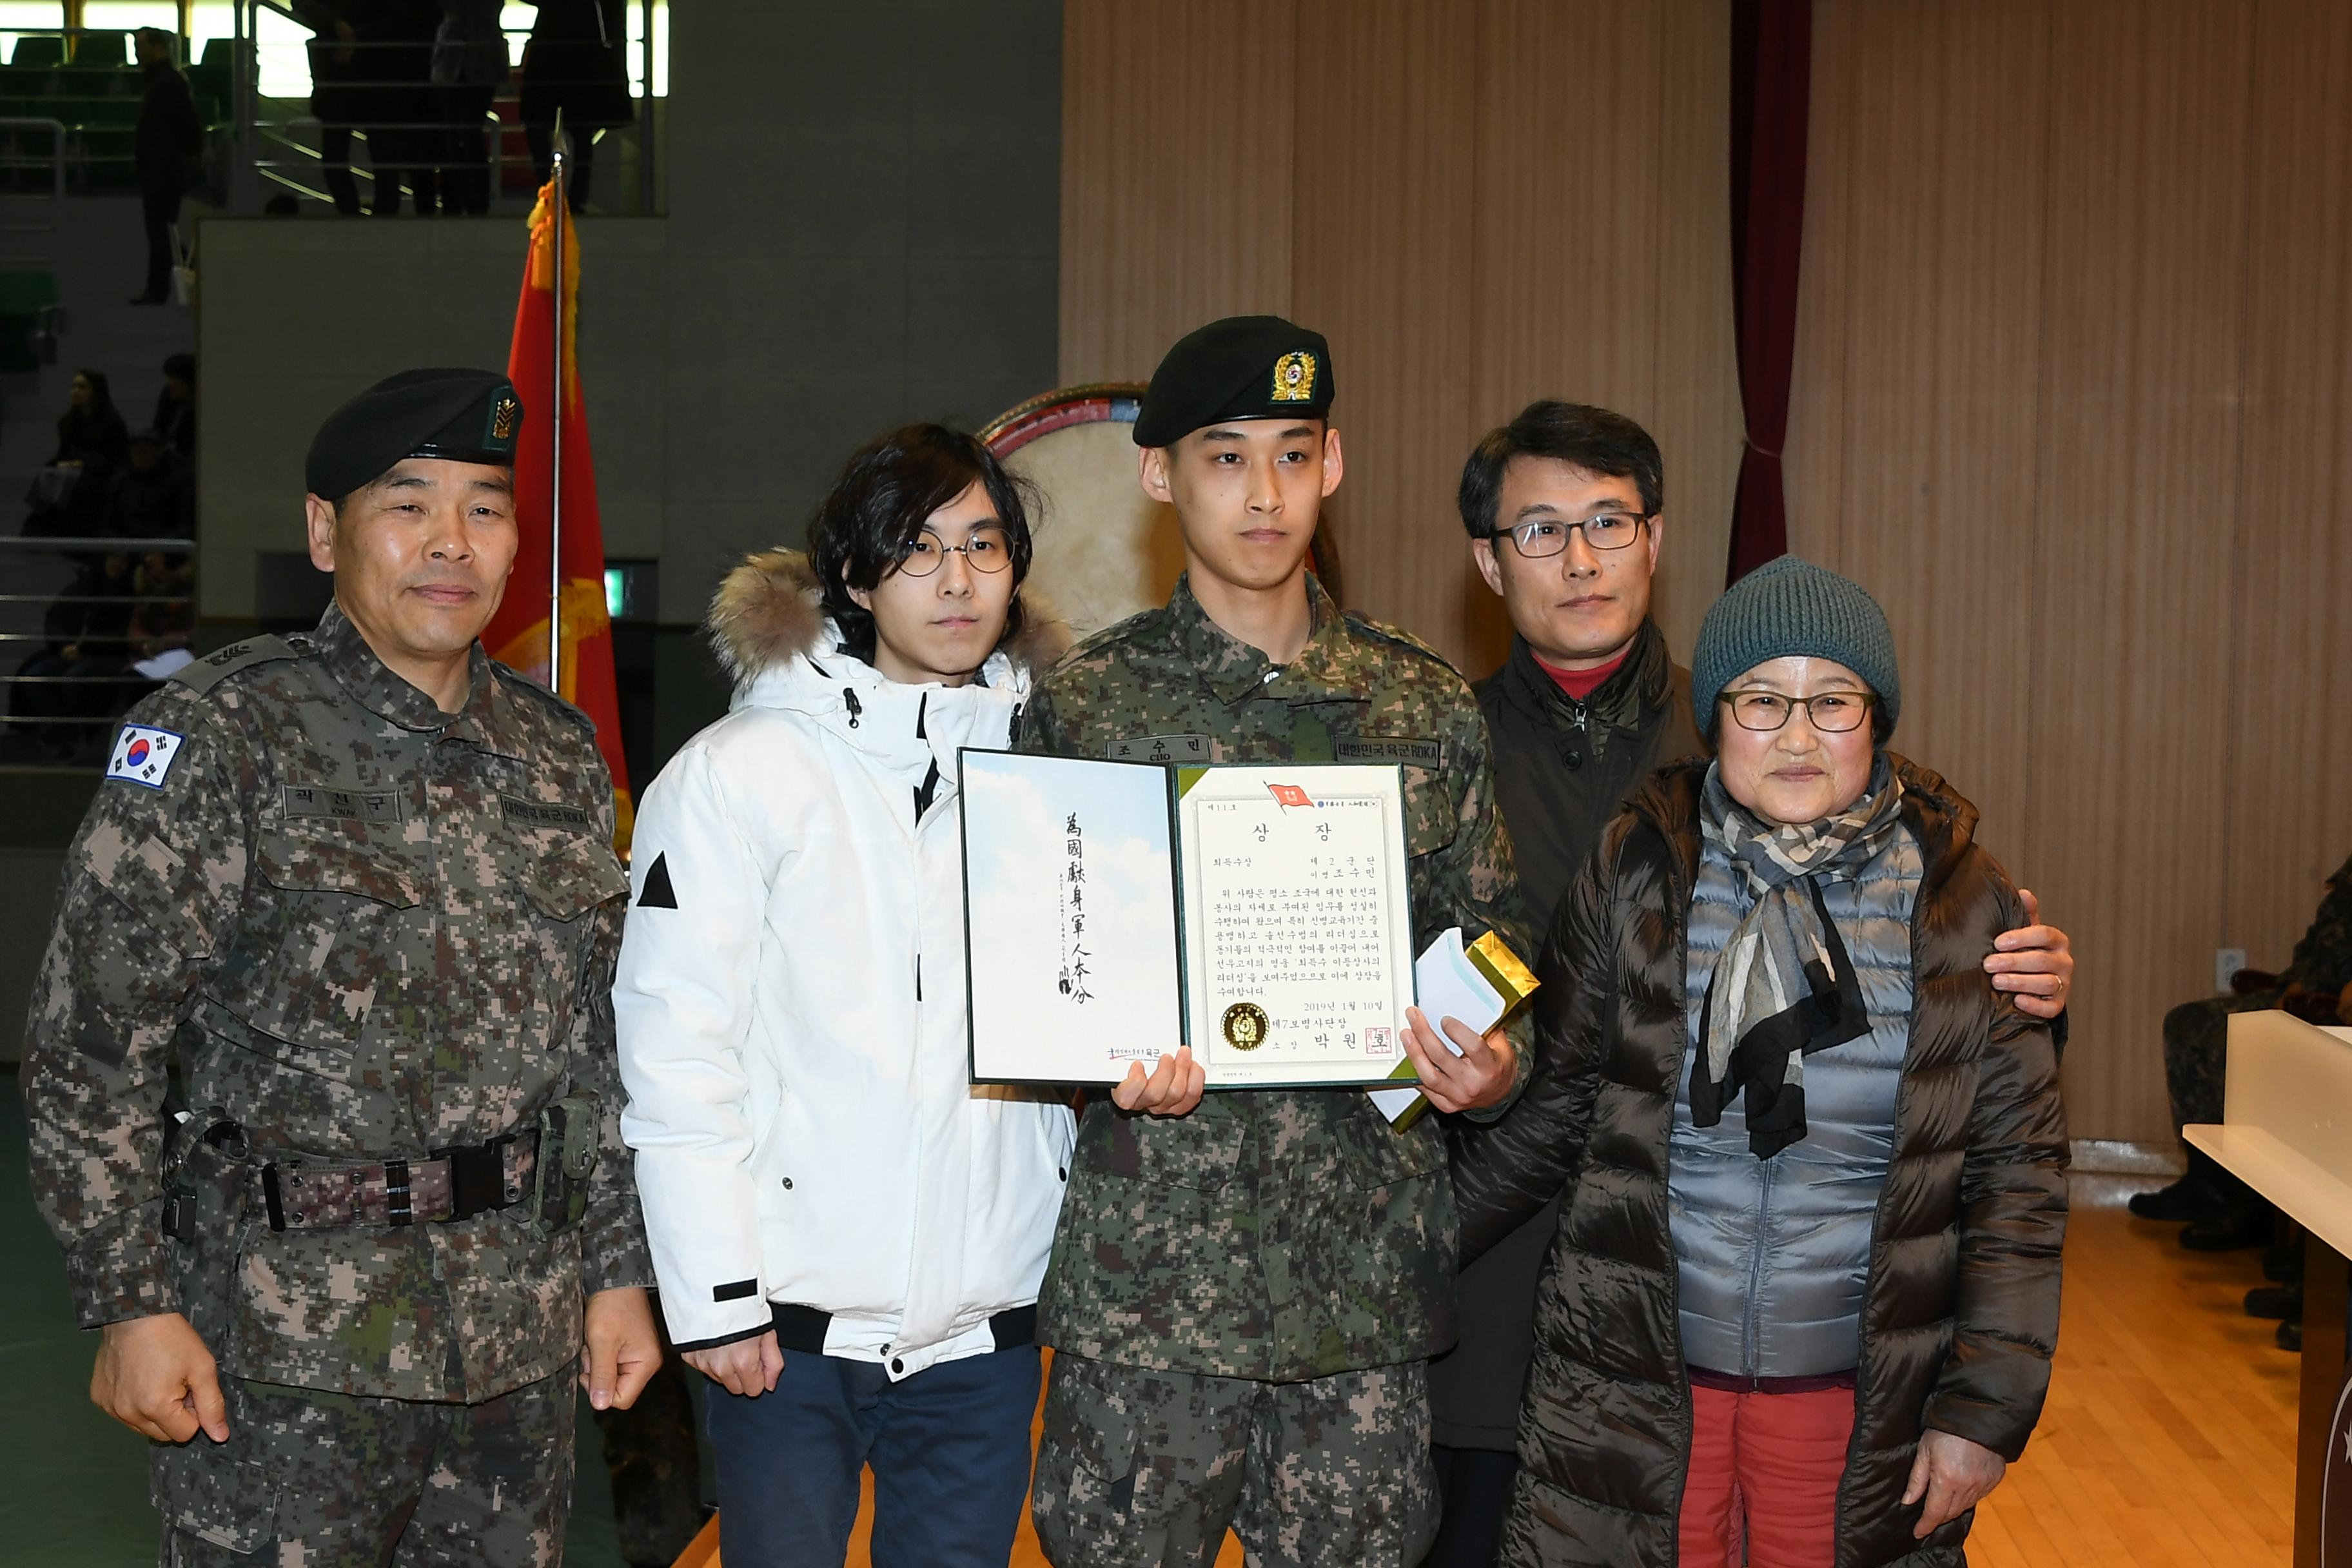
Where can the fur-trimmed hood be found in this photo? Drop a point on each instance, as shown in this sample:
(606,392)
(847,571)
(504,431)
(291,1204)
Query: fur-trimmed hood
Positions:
(770,610)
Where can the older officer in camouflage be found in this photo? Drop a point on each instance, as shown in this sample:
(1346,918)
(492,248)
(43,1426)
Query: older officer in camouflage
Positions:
(1244,1289)
(359,882)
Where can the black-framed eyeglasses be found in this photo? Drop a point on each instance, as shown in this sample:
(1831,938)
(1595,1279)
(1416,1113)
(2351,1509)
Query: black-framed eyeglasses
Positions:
(1542,536)
(1830,712)
(988,548)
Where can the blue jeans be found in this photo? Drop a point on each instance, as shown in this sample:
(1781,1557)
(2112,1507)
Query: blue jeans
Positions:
(949,1447)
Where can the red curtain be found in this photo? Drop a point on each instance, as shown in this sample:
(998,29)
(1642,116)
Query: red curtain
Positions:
(1772,69)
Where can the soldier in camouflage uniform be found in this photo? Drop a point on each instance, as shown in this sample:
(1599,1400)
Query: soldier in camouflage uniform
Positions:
(358,885)
(2222,1211)
(1244,1289)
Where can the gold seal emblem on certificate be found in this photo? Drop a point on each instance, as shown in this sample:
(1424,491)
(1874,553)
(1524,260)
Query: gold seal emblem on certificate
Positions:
(1245,1026)
(1293,377)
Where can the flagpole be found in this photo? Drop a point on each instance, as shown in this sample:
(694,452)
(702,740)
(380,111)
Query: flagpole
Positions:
(555,432)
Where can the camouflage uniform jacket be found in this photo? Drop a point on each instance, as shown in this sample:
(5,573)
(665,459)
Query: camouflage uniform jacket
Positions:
(368,929)
(1275,1234)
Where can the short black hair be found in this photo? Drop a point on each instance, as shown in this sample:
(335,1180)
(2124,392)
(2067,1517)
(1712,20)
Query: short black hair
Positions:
(886,491)
(1598,440)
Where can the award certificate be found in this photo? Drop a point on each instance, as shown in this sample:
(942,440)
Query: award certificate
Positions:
(1115,910)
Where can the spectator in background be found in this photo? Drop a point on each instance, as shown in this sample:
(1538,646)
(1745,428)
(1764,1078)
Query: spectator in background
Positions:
(335,99)
(574,66)
(166,151)
(164,622)
(469,66)
(87,629)
(404,119)
(91,434)
(68,494)
(149,497)
(176,406)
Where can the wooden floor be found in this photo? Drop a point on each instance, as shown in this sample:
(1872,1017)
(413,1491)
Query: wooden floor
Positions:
(2169,1441)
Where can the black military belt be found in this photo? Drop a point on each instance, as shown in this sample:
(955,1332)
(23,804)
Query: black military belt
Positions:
(449,1185)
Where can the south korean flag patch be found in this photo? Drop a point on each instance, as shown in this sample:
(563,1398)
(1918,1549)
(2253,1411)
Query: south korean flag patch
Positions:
(144,754)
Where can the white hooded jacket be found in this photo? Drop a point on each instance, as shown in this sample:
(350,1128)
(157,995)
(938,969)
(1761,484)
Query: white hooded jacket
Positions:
(791,1006)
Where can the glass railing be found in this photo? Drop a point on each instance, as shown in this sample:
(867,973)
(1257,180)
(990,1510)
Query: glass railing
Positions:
(88,626)
(327,116)
(301,110)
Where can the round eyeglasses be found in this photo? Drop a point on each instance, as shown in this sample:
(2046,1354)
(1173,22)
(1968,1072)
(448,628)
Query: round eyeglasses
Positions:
(986,549)
(1830,712)
(1544,536)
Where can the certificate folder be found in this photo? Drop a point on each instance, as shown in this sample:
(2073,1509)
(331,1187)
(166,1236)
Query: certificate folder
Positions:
(1115,910)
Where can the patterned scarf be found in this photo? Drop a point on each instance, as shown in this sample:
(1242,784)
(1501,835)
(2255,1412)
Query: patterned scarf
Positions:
(1783,986)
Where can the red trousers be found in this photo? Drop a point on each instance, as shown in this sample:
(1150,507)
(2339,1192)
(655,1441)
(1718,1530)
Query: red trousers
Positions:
(1764,1468)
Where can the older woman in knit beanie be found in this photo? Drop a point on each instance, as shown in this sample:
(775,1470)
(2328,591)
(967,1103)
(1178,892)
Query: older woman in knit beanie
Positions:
(1803,1297)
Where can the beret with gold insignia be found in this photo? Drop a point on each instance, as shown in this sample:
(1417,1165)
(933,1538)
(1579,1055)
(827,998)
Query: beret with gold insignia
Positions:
(1244,367)
(464,416)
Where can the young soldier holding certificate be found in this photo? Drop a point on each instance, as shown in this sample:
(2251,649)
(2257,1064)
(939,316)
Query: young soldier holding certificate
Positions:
(1245,1289)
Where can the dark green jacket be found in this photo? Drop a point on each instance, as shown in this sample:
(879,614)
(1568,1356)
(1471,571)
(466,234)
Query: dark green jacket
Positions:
(1275,1234)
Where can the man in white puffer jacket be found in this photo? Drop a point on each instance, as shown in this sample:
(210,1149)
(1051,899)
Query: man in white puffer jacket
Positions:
(849,1234)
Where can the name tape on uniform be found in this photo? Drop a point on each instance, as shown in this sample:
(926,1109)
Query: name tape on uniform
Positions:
(358,805)
(1161,748)
(1420,753)
(143,755)
(542,813)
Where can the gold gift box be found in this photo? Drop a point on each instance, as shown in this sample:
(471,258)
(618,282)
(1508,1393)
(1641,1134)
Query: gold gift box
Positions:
(1513,981)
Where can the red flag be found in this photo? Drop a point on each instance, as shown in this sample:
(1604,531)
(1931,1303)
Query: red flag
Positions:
(517,633)
(1290,794)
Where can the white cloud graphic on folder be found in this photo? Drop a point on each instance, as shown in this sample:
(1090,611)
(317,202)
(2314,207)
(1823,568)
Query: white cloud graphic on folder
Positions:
(1016,851)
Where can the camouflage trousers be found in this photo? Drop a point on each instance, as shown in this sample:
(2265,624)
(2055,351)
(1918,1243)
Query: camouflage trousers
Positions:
(2196,1050)
(1148,1469)
(311,1480)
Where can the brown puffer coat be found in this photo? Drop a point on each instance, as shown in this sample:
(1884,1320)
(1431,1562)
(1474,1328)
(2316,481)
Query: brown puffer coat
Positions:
(1959,1316)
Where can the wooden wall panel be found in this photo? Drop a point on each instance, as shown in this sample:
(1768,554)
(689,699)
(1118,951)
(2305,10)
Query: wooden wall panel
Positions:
(2142,270)
(1567,204)
(1178,119)
(1694,409)
(1813,460)
(2290,797)
(1603,268)
(1918,394)
(1385,172)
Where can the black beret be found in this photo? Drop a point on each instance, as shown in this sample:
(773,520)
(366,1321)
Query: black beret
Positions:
(466,416)
(1244,367)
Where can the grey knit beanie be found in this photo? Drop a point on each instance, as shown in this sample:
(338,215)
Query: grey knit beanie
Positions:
(1788,608)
